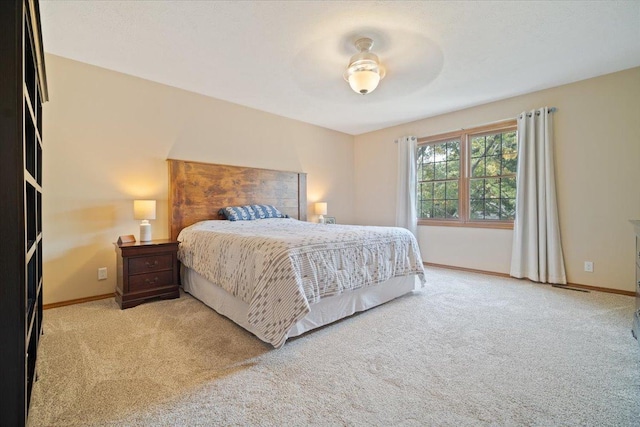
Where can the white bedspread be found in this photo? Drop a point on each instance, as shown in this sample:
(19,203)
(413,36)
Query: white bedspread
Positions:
(280,266)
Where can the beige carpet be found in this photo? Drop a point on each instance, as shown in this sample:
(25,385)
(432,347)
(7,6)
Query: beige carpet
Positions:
(468,350)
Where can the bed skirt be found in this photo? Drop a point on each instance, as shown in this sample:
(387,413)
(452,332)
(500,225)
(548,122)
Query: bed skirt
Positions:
(325,311)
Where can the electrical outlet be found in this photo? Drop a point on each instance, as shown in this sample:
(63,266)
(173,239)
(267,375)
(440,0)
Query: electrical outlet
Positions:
(102,273)
(588,266)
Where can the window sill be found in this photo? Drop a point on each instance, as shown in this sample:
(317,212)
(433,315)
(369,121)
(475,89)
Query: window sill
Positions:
(500,225)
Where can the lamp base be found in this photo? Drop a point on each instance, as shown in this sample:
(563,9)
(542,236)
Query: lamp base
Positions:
(145,231)
(321,219)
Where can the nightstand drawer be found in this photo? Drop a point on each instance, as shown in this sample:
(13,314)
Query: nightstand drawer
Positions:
(150,263)
(143,282)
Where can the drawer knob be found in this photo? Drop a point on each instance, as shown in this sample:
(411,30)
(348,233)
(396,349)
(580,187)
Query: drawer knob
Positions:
(151,281)
(151,264)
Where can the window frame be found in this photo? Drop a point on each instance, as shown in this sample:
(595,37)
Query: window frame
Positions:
(464,178)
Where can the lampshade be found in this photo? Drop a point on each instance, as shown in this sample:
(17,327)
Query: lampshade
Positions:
(321,208)
(364,81)
(144,209)
(364,71)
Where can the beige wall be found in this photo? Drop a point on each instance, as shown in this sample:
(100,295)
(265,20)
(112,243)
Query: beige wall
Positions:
(597,134)
(107,136)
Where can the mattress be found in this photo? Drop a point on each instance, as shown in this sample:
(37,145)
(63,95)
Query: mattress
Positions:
(281,267)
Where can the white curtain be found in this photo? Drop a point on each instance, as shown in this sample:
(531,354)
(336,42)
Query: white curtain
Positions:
(537,251)
(406,215)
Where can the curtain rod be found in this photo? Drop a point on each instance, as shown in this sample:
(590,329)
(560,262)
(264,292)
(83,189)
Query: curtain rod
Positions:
(551,110)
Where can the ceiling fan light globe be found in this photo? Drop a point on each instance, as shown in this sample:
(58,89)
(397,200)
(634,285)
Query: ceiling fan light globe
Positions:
(364,81)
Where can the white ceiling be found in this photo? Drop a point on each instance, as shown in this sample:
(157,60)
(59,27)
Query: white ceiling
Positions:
(288,57)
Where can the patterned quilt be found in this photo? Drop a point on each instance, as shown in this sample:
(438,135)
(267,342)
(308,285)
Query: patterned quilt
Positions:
(280,266)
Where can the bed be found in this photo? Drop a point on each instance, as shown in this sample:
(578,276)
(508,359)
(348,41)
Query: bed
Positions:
(280,277)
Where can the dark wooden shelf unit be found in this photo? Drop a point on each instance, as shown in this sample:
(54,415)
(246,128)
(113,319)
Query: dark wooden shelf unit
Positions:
(635,329)
(23,88)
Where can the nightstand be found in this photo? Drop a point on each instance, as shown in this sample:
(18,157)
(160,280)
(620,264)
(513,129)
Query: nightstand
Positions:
(146,270)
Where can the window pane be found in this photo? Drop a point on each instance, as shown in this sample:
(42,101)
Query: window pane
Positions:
(439,190)
(509,152)
(507,208)
(492,188)
(425,209)
(493,166)
(427,172)
(509,142)
(492,209)
(476,189)
(477,209)
(508,188)
(493,145)
(451,190)
(420,193)
(509,163)
(477,146)
(440,152)
(420,155)
(428,153)
(441,170)
(453,169)
(451,208)
(477,167)
(428,192)
(438,209)
(453,150)
(424,152)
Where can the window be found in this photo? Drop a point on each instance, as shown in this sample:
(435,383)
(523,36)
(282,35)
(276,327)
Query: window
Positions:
(468,177)
(439,179)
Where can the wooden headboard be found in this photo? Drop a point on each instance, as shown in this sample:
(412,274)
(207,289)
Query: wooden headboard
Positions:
(197,191)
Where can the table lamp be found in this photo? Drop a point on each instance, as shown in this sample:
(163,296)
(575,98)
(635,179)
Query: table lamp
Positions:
(321,209)
(144,210)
